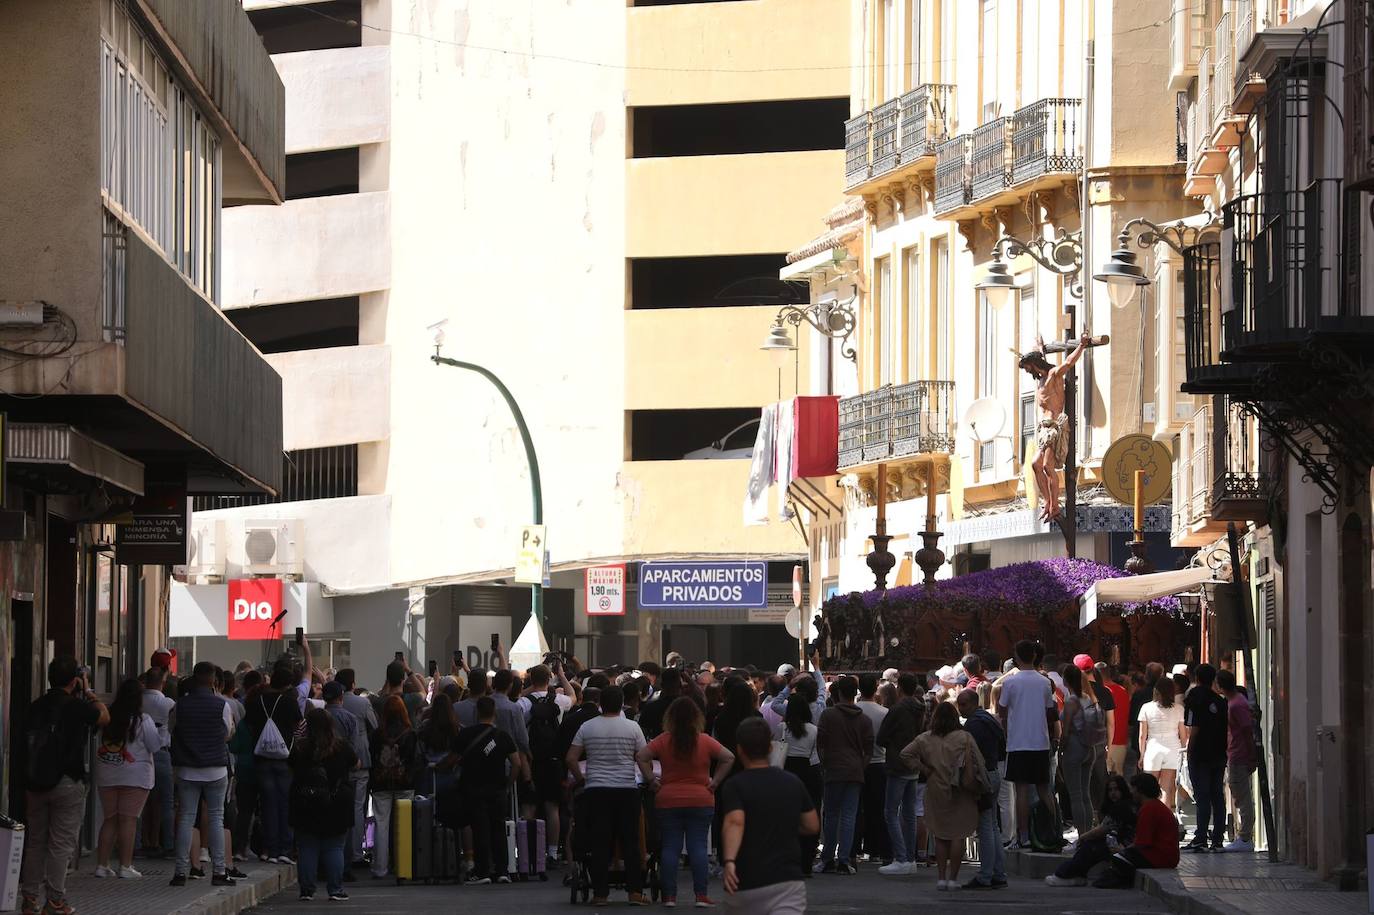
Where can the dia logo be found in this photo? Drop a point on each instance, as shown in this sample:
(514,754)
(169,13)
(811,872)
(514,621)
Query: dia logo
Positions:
(253,605)
(243,610)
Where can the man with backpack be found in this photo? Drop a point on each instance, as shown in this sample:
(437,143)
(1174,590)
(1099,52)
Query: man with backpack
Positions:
(488,763)
(546,708)
(59,730)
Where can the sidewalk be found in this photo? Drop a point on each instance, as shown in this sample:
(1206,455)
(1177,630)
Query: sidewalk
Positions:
(152,895)
(1223,884)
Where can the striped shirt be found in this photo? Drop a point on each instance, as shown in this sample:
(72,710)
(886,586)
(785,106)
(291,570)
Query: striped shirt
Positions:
(610,745)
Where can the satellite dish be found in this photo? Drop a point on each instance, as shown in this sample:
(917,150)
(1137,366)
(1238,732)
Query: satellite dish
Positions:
(985,419)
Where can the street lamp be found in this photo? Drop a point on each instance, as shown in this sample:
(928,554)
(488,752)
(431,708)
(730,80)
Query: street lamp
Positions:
(1062,254)
(832,319)
(536,489)
(1121,272)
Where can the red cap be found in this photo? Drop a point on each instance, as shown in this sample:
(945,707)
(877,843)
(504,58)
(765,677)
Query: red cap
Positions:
(163,657)
(1083,662)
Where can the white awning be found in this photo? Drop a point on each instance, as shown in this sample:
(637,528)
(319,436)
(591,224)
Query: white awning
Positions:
(1136,589)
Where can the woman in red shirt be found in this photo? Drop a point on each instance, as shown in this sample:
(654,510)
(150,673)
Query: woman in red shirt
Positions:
(1156,837)
(684,794)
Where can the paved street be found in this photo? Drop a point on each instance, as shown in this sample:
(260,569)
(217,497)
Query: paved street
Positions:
(865,893)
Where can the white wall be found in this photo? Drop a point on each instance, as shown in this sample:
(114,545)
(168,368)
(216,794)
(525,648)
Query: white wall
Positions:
(315,248)
(336,98)
(506,181)
(334,396)
(343,541)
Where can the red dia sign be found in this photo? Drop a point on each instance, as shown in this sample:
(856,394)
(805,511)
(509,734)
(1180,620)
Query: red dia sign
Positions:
(253,605)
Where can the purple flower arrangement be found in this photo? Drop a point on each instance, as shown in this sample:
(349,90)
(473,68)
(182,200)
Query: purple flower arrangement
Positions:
(1042,586)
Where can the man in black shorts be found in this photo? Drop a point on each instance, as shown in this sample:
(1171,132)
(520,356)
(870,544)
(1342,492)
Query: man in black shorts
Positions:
(1026,707)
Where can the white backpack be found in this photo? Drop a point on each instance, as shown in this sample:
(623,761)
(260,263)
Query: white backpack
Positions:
(270,744)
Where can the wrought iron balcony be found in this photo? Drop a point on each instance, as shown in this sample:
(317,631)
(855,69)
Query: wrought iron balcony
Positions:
(927,118)
(858,134)
(1208,323)
(953,174)
(991,158)
(1240,490)
(1046,139)
(1286,270)
(897,421)
(900,132)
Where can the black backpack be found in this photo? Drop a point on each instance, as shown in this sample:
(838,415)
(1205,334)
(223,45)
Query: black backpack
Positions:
(44,765)
(543,727)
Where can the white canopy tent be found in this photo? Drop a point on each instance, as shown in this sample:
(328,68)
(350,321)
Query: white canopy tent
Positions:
(1136,589)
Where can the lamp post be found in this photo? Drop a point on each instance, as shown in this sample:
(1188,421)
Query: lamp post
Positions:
(835,320)
(536,490)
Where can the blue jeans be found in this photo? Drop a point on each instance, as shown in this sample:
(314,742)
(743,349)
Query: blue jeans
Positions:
(189,796)
(992,858)
(841,808)
(314,851)
(1210,795)
(673,824)
(274,780)
(899,811)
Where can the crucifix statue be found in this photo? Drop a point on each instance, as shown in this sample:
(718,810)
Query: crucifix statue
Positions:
(1055,433)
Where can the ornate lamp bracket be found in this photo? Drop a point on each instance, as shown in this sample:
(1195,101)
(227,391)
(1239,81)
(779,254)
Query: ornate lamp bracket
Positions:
(1062,254)
(835,320)
(1176,237)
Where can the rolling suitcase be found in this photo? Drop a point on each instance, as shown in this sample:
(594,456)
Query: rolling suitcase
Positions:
(512,845)
(404,840)
(422,843)
(532,850)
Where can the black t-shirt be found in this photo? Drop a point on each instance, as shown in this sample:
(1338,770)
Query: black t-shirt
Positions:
(773,802)
(75,719)
(484,765)
(1205,710)
(1138,699)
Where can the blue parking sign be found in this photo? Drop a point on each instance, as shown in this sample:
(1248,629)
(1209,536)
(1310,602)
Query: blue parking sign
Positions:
(679,585)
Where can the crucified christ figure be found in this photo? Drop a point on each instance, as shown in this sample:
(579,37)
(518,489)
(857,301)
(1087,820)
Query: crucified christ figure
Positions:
(1052,433)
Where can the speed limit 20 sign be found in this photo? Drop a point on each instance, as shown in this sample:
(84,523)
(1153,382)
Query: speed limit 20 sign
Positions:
(606,590)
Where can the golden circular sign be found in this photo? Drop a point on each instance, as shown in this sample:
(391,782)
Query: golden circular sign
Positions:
(1137,452)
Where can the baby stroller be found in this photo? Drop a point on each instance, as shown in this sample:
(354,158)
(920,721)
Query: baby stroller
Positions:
(579,878)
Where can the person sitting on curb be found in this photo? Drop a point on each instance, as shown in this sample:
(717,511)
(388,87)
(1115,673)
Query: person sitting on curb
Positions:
(1156,837)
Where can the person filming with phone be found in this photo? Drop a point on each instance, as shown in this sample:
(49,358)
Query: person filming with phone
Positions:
(59,728)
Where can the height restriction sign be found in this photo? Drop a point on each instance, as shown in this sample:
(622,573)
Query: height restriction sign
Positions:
(606,590)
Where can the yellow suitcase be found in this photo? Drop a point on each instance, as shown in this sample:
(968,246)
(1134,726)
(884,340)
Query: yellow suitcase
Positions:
(404,836)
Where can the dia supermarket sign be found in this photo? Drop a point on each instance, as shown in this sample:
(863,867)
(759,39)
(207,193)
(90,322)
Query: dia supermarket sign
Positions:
(679,585)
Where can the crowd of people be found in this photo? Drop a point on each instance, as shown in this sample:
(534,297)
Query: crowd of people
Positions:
(783,774)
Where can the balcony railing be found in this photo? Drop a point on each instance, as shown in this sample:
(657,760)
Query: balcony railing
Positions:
(1047,139)
(857,136)
(991,158)
(1285,261)
(1204,103)
(897,421)
(927,119)
(1200,470)
(898,132)
(1209,323)
(1192,23)
(886,121)
(953,174)
(1224,76)
(1240,490)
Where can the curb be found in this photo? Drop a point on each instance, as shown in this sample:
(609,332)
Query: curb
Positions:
(248,893)
(1033,865)
(1168,887)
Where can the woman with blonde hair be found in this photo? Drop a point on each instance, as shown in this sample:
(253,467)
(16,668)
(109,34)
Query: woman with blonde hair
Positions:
(943,754)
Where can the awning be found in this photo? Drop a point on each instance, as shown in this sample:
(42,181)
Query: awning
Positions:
(66,453)
(1137,589)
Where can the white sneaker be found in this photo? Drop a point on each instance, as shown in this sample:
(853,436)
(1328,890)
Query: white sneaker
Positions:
(1239,845)
(103,871)
(953,885)
(1052,880)
(895,869)
(942,885)
(204,856)
(128,873)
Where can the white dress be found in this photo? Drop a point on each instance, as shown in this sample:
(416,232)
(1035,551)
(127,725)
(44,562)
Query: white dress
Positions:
(1162,747)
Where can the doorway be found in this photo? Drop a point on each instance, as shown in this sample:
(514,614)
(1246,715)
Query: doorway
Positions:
(21,694)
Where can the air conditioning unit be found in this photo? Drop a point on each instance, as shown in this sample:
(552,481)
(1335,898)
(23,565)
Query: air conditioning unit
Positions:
(207,550)
(273,548)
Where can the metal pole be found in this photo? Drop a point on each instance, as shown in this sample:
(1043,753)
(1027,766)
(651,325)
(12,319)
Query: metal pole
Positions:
(1243,609)
(536,490)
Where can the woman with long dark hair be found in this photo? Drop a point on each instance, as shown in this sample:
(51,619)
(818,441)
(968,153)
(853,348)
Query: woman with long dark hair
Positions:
(799,734)
(437,733)
(321,803)
(1115,830)
(279,703)
(1085,734)
(685,792)
(124,776)
(396,760)
(739,703)
(942,754)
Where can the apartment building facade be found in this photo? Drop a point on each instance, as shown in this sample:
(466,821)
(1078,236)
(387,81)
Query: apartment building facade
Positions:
(599,216)
(130,126)
(1276,103)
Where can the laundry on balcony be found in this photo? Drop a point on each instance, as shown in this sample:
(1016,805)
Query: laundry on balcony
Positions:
(796,443)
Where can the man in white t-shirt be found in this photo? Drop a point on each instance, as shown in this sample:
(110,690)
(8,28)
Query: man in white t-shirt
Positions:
(1026,708)
(611,802)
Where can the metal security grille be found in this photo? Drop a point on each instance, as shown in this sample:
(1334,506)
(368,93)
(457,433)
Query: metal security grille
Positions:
(307,474)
